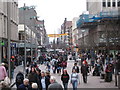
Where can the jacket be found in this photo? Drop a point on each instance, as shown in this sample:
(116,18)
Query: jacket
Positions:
(23,87)
(47,82)
(32,77)
(65,78)
(84,69)
(3,73)
(76,68)
(55,86)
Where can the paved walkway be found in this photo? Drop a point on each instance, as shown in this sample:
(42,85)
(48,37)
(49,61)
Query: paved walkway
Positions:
(93,81)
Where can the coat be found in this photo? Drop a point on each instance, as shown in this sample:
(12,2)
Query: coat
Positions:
(84,69)
(65,78)
(32,77)
(3,73)
(23,87)
(76,68)
(55,86)
(19,79)
(47,82)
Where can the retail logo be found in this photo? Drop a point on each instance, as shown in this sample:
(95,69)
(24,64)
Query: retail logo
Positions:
(2,43)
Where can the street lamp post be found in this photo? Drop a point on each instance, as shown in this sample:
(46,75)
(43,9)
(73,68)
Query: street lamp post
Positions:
(24,8)
(9,38)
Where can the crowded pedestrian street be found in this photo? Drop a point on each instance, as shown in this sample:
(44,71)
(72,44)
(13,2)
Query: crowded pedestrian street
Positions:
(59,44)
(93,81)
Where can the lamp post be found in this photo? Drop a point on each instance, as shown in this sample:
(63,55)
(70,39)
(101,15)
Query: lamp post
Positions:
(24,62)
(9,39)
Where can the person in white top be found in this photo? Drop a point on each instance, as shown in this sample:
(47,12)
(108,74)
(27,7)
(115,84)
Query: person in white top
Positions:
(75,80)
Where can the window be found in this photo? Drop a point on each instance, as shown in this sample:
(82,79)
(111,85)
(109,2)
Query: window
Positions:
(118,3)
(104,3)
(113,3)
(109,3)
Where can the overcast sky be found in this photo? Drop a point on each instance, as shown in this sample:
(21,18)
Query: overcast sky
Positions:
(54,11)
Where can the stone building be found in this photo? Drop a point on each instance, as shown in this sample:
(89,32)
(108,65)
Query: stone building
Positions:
(4,27)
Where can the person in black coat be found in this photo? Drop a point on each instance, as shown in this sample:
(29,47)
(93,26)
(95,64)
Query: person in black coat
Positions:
(25,85)
(75,67)
(84,71)
(44,81)
(19,79)
(65,79)
(32,76)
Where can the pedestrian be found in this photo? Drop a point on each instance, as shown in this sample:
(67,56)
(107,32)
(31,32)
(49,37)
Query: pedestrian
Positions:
(48,66)
(47,74)
(38,72)
(44,81)
(3,72)
(12,66)
(25,85)
(19,78)
(32,76)
(65,79)
(64,64)
(27,70)
(96,70)
(59,63)
(54,84)
(34,86)
(75,80)
(84,72)
(108,71)
(54,64)
(75,67)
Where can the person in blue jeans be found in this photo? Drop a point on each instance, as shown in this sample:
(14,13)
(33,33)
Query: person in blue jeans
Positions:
(65,79)
(75,80)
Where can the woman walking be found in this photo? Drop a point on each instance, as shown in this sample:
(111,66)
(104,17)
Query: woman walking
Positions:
(65,79)
(75,80)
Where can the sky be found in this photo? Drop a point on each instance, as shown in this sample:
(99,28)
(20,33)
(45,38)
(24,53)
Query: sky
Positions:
(55,11)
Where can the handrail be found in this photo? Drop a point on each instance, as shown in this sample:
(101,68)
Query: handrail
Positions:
(12,84)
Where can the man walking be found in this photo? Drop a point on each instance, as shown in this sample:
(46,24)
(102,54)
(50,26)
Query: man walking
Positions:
(84,71)
(54,85)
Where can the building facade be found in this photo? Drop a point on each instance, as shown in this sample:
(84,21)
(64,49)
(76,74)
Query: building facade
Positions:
(66,28)
(100,28)
(28,16)
(4,14)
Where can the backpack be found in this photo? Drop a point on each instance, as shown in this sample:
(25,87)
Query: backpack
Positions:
(19,79)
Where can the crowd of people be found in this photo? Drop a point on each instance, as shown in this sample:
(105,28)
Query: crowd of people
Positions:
(37,79)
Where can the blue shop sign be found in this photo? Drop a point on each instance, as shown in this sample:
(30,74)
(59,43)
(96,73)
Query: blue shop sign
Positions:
(13,45)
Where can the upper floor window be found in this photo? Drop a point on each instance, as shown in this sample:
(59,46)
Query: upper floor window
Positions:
(109,3)
(113,3)
(118,3)
(104,3)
